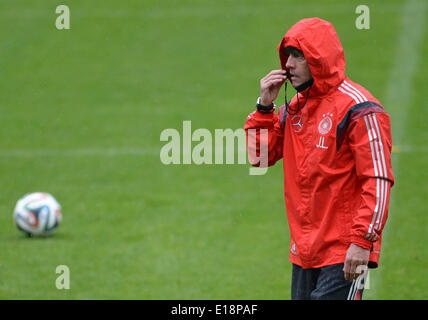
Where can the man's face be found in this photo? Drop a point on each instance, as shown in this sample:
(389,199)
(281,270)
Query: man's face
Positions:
(298,67)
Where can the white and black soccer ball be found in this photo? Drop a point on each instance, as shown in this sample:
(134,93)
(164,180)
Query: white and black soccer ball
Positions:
(37,214)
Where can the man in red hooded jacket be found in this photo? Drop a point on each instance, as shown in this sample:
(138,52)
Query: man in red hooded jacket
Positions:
(335,141)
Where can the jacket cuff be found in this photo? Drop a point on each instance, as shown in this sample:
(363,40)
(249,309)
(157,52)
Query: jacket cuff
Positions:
(266,110)
(361,242)
(264,115)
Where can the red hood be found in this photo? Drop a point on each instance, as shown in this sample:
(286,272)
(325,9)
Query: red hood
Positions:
(321,46)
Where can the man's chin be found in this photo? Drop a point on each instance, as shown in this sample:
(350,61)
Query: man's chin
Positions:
(295,84)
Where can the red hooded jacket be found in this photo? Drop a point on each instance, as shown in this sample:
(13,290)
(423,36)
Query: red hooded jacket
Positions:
(336,154)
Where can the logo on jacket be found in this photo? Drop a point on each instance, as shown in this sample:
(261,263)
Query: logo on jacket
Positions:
(325,124)
(297,123)
(324,127)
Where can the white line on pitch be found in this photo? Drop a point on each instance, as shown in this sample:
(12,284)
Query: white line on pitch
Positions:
(400,90)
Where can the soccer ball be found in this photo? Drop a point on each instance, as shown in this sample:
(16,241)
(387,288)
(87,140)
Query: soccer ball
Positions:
(37,214)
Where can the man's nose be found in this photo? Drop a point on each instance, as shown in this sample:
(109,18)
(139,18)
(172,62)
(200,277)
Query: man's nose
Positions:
(290,62)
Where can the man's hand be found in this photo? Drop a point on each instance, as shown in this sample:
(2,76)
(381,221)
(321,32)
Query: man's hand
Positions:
(355,256)
(270,86)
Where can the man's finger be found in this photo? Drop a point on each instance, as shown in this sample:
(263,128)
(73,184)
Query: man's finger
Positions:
(346,269)
(353,268)
(274,73)
(274,82)
(279,71)
(276,77)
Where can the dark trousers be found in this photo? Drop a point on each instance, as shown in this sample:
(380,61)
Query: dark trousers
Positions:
(325,283)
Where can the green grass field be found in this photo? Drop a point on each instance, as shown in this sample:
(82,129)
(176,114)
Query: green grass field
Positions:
(81,112)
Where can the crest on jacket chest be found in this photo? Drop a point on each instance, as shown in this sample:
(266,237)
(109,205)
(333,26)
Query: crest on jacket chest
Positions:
(324,128)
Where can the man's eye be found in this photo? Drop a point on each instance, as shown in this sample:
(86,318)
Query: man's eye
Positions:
(298,56)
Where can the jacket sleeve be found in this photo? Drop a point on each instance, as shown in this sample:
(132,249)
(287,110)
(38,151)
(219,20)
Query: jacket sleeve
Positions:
(264,138)
(370,142)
